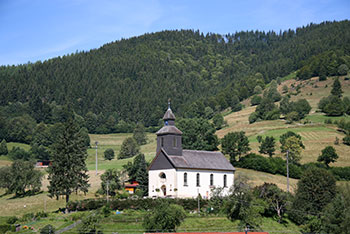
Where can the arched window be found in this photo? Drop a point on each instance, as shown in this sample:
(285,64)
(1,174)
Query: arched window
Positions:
(185,179)
(211,179)
(174,142)
(162,175)
(198,180)
(225,181)
(162,142)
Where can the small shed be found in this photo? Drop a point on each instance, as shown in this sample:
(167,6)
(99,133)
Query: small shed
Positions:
(131,187)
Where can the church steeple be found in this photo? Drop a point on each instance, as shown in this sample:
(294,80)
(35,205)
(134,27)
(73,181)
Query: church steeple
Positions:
(169,137)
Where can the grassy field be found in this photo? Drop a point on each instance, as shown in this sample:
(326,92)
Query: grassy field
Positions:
(315,134)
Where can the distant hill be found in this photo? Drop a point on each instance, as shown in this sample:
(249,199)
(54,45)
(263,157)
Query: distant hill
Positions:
(132,79)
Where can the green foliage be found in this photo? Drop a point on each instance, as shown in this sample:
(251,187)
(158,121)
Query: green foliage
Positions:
(256,100)
(218,121)
(68,172)
(334,106)
(140,135)
(210,67)
(48,229)
(90,225)
(343,70)
(336,218)
(288,134)
(336,88)
(241,204)
(129,148)
(267,146)
(316,189)
(275,197)
(21,129)
(164,218)
(137,171)
(272,92)
(3,147)
(285,89)
(198,134)
(257,89)
(12,220)
(235,144)
(18,153)
(328,156)
(266,110)
(40,152)
(20,178)
(346,139)
(292,145)
(294,110)
(108,154)
(112,177)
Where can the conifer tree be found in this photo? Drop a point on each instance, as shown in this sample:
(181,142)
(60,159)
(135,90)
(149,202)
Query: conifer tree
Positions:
(3,148)
(336,90)
(68,172)
(139,134)
(268,146)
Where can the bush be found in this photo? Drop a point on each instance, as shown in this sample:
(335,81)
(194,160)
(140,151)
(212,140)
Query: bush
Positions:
(4,228)
(341,173)
(109,154)
(346,140)
(12,220)
(253,117)
(164,217)
(257,162)
(256,100)
(48,229)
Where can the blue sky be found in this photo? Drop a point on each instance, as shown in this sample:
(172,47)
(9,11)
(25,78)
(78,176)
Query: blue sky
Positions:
(32,30)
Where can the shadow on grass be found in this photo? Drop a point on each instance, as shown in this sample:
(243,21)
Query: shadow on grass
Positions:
(26,194)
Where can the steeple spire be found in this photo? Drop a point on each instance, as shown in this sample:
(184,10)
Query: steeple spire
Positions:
(169,104)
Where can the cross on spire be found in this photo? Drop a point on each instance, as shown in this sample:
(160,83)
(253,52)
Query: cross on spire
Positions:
(169,103)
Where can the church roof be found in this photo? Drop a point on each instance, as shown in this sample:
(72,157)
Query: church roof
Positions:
(197,159)
(169,115)
(169,129)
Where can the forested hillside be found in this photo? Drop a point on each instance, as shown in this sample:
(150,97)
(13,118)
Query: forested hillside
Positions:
(132,79)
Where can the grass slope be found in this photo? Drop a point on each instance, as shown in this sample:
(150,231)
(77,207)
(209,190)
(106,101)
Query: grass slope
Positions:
(316,135)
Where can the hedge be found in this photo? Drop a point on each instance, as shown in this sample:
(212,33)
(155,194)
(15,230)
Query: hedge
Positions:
(276,165)
(141,203)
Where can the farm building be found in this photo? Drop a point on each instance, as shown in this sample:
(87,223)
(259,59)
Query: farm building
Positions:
(176,172)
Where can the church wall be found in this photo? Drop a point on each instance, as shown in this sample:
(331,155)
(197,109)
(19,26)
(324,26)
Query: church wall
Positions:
(191,190)
(156,182)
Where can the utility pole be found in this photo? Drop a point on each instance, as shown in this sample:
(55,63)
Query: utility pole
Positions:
(107,191)
(96,142)
(287,172)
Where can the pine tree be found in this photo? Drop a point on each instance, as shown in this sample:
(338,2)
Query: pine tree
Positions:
(68,172)
(139,134)
(336,90)
(3,148)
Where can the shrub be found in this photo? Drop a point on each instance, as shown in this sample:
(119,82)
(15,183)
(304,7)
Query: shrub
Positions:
(48,229)
(341,173)
(4,228)
(12,220)
(257,162)
(346,139)
(253,117)
(109,154)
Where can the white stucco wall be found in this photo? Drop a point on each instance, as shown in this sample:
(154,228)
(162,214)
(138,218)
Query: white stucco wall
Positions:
(175,186)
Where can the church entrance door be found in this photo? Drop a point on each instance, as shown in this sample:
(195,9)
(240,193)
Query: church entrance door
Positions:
(163,188)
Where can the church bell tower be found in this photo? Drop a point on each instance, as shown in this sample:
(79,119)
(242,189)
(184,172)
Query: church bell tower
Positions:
(169,137)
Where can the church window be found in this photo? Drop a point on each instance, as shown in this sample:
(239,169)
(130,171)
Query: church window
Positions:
(185,179)
(211,179)
(162,175)
(225,181)
(174,142)
(162,141)
(198,180)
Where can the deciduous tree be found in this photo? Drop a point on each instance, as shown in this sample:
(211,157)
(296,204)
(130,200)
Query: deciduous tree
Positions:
(328,156)
(129,148)
(235,144)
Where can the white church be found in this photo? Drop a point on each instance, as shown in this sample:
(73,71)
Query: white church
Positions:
(176,172)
